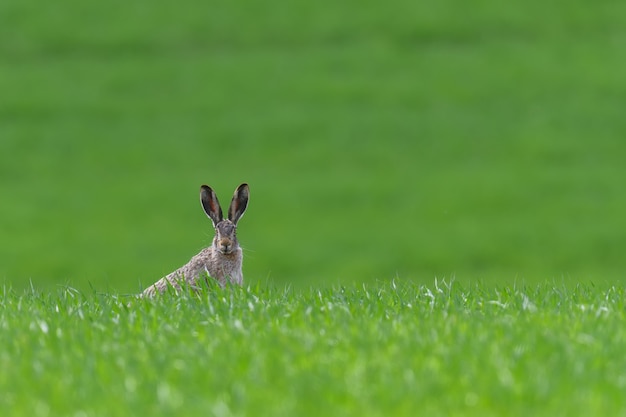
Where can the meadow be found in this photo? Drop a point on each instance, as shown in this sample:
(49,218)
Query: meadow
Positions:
(435,224)
(384,349)
(414,140)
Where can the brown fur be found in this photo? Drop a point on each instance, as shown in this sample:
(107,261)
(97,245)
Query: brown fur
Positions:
(222,260)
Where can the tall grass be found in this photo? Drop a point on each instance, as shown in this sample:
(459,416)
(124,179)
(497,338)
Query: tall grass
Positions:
(372,350)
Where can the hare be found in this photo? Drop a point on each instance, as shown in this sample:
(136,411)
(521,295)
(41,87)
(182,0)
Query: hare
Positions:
(222,260)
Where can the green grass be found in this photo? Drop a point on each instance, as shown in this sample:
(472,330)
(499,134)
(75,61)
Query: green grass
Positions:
(410,139)
(386,349)
(479,140)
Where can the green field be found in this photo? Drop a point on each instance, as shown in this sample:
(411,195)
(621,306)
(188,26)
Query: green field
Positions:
(393,349)
(479,143)
(411,140)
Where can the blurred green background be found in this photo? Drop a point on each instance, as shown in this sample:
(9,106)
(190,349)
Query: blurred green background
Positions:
(483,140)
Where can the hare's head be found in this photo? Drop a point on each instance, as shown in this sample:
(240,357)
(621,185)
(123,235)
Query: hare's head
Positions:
(225,240)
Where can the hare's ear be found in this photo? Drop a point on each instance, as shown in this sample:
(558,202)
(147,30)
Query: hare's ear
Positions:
(239,203)
(210,204)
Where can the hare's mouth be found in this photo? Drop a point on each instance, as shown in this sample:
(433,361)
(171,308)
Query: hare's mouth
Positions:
(226,249)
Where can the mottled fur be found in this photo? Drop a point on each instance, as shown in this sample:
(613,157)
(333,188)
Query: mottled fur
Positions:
(223,259)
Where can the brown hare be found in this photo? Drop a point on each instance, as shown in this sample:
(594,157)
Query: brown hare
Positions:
(220,261)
